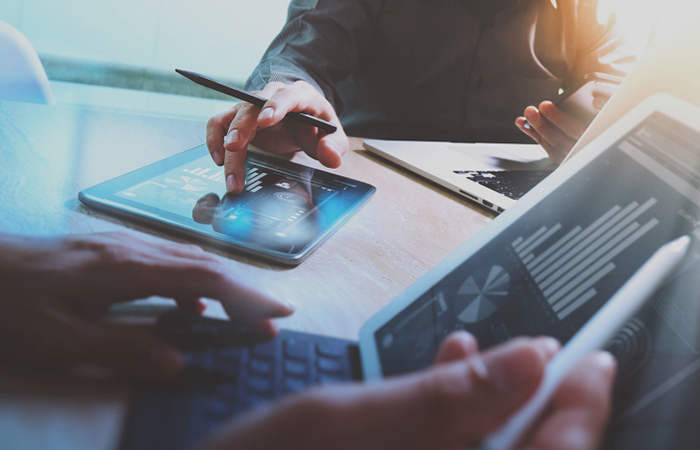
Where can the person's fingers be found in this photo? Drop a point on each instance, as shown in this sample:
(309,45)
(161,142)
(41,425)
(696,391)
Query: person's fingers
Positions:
(520,123)
(553,152)
(241,131)
(183,277)
(448,406)
(242,128)
(570,125)
(599,101)
(456,346)
(191,251)
(494,386)
(330,148)
(254,324)
(238,298)
(234,171)
(553,140)
(57,339)
(546,129)
(129,353)
(122,267)
(191,305)
(211,278)
(579,409)
(298,97)
(302,97)
(217,127)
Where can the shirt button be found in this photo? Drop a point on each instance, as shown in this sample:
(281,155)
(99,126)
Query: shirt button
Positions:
(480,81)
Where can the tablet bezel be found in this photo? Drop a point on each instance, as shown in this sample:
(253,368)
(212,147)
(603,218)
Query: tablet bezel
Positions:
(676,109)
(102,197)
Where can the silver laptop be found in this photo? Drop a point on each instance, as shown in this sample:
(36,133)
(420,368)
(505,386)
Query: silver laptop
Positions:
(669,66)
(494,175)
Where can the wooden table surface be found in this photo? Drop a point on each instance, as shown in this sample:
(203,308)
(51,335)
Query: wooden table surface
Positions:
(48,154)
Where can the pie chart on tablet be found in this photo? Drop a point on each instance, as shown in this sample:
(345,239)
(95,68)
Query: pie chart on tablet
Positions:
(482,294)
(188,183)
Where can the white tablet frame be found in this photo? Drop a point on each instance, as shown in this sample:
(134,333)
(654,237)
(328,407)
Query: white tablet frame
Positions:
(669,105)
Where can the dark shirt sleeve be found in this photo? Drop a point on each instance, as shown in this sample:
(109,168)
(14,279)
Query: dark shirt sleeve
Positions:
(319,44)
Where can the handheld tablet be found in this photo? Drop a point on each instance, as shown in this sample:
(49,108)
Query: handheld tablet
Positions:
(547,265)
(285,212)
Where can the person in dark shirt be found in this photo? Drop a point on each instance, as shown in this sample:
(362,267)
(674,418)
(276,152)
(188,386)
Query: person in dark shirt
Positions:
(451,70)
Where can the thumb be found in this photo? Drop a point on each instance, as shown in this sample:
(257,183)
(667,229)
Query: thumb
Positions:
(468,400)
(331,148)
(452,405)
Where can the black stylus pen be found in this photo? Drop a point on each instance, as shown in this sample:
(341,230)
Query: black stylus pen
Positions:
(254,99)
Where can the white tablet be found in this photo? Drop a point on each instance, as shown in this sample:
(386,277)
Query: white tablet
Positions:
(546,265)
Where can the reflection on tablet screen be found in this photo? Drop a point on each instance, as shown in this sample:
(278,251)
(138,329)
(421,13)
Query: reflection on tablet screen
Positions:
(279,209)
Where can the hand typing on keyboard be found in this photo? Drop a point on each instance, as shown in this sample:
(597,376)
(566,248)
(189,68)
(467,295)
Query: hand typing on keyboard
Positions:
(55,290)
(454,404)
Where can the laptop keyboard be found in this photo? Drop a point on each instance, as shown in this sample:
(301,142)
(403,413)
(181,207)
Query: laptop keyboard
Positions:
(511,183)
(227,372)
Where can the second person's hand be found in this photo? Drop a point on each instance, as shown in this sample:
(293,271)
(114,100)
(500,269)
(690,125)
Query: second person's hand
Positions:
(57,288)
(464,397)
(229,133)
(556,131)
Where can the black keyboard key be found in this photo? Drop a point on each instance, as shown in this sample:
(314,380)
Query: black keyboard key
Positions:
(199,428)
(226,390)
(191,331)
(297,348)
(329,379)
(265,349)
(230,352)
(329,365)
(291,384)
(295,368)
(260,367)
(511,183)
(218,410)
(331,349)
(199,361)
(226,367)
(226,377)
(210,365)
(260,386)
(251,401)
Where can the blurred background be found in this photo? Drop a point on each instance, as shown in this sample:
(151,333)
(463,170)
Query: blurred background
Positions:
(134,45)
(122,54)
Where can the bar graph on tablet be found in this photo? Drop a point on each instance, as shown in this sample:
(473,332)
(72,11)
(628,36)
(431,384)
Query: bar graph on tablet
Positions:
(566,272)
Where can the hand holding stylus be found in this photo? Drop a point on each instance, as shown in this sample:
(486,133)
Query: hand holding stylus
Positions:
(229,133)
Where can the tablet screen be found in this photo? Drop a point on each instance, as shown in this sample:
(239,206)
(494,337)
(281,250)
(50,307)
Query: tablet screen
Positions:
(284,209)
(558,263)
